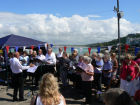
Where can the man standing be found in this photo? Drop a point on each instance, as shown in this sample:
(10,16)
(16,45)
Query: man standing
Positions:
(18,83)
(60,54)
(51,61)
(50,57)
(59,57)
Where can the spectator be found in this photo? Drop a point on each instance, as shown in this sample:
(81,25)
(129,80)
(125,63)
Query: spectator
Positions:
(116,96)
(128,75)
(48,92)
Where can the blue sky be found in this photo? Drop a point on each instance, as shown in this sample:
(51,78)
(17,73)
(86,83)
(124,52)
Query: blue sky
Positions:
(66,8)
(87,14)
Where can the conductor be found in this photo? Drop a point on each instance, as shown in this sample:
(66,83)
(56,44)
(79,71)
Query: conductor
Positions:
(18,82)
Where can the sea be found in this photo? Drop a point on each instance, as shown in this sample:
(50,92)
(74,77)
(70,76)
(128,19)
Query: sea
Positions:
(81,50)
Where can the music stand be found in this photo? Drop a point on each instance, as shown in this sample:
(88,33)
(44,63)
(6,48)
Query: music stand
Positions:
(32,74)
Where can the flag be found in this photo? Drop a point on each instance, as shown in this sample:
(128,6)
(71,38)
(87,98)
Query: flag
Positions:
(51,45)
(1,51)
(7,48)
(81,49)
(38,47)
(6,56)
(98,49)
(136,50)
(109,48)
(89,50)
(65,48)
(126,47)
(72,49)
(32,47)
(45,46)
(16,48)
(24,47)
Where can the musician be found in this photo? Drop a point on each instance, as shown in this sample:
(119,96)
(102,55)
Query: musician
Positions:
(75,52)
(50,61)
(87,78)
(64,62)
(59,56)
(33,57)
(39,72)
(107,70)
(73,64)
(40,55)
(24,59)
(18,83)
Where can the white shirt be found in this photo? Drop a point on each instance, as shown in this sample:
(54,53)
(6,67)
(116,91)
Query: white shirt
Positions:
(60,54)
(41,57)
(25,60)
(39,102)
(51,58)
(16,66)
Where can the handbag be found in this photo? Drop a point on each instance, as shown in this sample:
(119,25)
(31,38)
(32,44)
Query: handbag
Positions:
(128,77)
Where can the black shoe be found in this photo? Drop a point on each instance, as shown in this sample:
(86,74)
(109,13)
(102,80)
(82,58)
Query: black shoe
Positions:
(85,103)
(22,99)
(15,99)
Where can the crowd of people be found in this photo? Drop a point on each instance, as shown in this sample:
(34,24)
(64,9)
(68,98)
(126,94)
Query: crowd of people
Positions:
(97,72)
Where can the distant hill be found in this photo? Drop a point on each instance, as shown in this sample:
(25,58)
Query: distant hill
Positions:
(115,41)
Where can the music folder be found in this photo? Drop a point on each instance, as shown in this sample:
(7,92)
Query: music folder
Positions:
(80,69)
(32,69)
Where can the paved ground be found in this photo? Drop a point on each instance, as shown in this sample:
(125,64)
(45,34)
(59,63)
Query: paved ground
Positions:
(70,94)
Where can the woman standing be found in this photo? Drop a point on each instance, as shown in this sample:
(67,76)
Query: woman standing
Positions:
(114,65)
(128,75)
(87,78)
(107,69)
(48,92)
(98,73)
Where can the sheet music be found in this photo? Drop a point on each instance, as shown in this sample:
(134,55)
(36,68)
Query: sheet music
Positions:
(32,69)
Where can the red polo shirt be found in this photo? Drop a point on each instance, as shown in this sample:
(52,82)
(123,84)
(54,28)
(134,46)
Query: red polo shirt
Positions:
(128,70)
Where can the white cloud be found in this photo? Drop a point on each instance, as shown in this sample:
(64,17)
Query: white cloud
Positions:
(93,16)
(64,30)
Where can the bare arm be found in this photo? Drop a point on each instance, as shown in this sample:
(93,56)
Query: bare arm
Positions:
(33,100)
(138,69)
(64,101)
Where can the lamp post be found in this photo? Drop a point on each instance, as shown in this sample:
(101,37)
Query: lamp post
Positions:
(119,15)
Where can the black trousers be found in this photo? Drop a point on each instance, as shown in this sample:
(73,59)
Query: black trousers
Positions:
(87,86)
(18,84)
(43,69)
(58,70)
(50,69)
(97,81)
